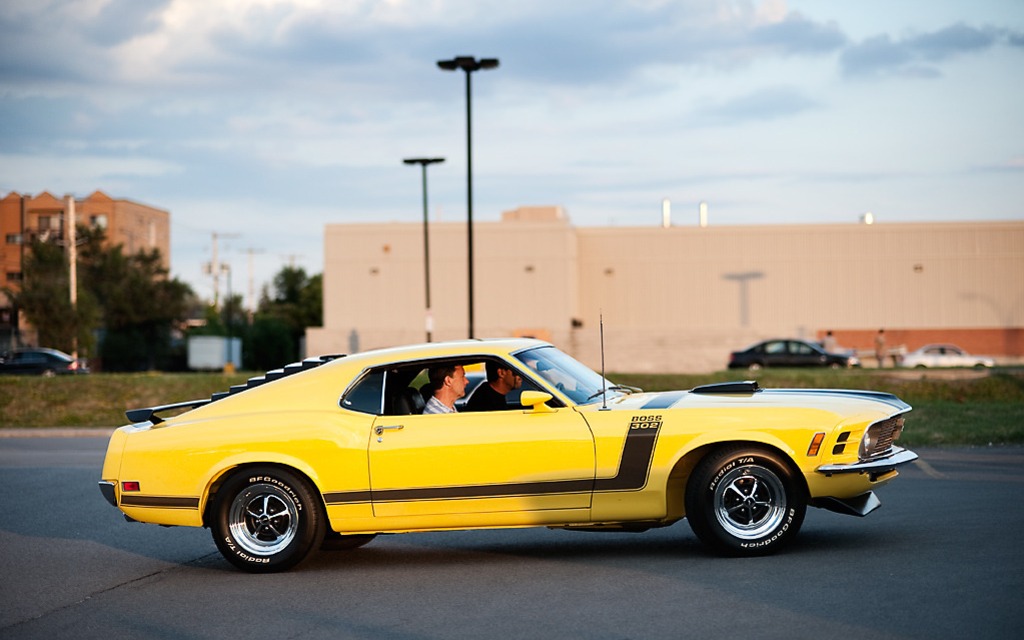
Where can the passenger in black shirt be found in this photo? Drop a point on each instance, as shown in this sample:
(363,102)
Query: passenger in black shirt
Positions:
(490,395)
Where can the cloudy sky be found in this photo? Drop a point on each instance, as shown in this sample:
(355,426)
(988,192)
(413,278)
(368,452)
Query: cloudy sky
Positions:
(267,119)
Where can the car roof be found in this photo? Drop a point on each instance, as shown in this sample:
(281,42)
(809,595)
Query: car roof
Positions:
(455,348)
(52,352)
(761,342)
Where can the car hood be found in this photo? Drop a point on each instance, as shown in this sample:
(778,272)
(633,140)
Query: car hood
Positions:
(833,400)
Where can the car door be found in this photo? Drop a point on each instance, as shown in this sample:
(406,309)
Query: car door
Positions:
(951,357)
(801,355)
(776,354)
(485,462)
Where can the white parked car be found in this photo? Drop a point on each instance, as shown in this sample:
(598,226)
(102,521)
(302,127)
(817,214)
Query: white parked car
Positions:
(945,355)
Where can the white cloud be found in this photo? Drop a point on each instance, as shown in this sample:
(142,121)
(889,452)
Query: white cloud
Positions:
(769,110)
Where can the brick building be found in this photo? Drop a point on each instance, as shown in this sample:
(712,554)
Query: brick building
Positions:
(24,218)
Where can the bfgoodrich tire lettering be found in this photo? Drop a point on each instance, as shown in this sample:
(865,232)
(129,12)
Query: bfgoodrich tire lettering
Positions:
(266,519)
(745,501)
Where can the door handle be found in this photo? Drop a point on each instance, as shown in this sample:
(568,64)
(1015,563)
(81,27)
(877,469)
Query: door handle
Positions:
(380,429)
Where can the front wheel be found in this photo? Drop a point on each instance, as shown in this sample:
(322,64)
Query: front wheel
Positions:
(745,501)
(266,519)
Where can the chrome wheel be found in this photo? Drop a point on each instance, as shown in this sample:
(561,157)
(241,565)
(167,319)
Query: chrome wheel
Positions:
(749,502)
(745,500)
(263,519)
(266,518)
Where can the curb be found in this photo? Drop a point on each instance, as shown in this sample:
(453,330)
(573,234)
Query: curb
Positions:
(58,432)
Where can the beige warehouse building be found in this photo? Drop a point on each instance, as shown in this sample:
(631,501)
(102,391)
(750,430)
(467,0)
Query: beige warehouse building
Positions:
(677,299)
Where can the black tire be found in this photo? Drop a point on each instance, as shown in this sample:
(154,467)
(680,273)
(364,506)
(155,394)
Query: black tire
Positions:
(337,542)
(745,501)
(267,519)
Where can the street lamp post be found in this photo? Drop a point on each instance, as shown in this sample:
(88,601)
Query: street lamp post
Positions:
(469,64)
(423,162)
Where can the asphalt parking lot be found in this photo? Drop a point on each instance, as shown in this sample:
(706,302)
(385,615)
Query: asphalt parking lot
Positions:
(940,559)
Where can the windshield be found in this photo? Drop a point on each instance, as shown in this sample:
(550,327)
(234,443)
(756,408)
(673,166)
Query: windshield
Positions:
(572,378)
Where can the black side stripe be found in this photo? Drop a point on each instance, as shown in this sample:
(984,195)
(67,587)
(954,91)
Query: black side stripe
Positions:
(159,502)
(634,468)
(347,497)
(635,465)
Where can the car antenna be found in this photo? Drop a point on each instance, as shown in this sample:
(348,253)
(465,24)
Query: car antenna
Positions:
(604,391)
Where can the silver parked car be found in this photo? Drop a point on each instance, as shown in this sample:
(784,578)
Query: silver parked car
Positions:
(944,355)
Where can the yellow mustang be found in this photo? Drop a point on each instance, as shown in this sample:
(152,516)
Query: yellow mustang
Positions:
(331,451)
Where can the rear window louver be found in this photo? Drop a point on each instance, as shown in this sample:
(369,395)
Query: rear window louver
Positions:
(150,413)
(276,374)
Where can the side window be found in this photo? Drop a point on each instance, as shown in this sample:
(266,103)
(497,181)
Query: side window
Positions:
(775,347)
(367,396)
(801,349)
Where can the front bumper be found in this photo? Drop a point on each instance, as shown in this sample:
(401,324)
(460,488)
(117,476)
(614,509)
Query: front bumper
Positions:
(874,468)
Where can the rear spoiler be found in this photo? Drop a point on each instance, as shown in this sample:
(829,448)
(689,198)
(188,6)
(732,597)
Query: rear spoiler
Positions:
(150,413)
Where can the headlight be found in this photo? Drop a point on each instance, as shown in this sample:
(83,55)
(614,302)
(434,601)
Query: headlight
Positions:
(867,444)
(878,438)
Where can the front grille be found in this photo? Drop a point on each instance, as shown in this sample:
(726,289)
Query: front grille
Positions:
(880,437)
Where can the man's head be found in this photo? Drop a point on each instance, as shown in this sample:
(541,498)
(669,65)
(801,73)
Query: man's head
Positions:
(448,381)
(502,378)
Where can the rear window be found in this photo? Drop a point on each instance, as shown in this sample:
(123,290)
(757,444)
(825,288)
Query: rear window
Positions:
(367,396)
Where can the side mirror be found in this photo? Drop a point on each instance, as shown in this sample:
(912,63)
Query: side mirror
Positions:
(534,401)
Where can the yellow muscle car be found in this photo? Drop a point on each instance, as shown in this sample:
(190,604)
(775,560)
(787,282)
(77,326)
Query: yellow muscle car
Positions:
(329,452)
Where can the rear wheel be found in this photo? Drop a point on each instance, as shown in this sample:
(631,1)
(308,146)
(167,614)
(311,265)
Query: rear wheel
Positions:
(267,519)
(745,501)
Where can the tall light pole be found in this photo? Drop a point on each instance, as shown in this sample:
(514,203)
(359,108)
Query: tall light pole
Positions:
(469,64)
(423,162)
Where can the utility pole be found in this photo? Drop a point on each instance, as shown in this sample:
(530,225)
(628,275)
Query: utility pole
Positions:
(252,285)
(69,206)
(424,162)
(214,267)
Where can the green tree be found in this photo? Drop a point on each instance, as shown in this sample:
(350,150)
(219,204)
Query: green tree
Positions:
(140,304)
(284,313)
(128,300)
(45,299)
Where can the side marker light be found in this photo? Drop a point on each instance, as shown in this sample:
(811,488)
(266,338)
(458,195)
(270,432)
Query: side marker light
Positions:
(815,444)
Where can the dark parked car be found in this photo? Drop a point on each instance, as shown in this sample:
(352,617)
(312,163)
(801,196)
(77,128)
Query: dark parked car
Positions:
(789,353)
(40,362)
